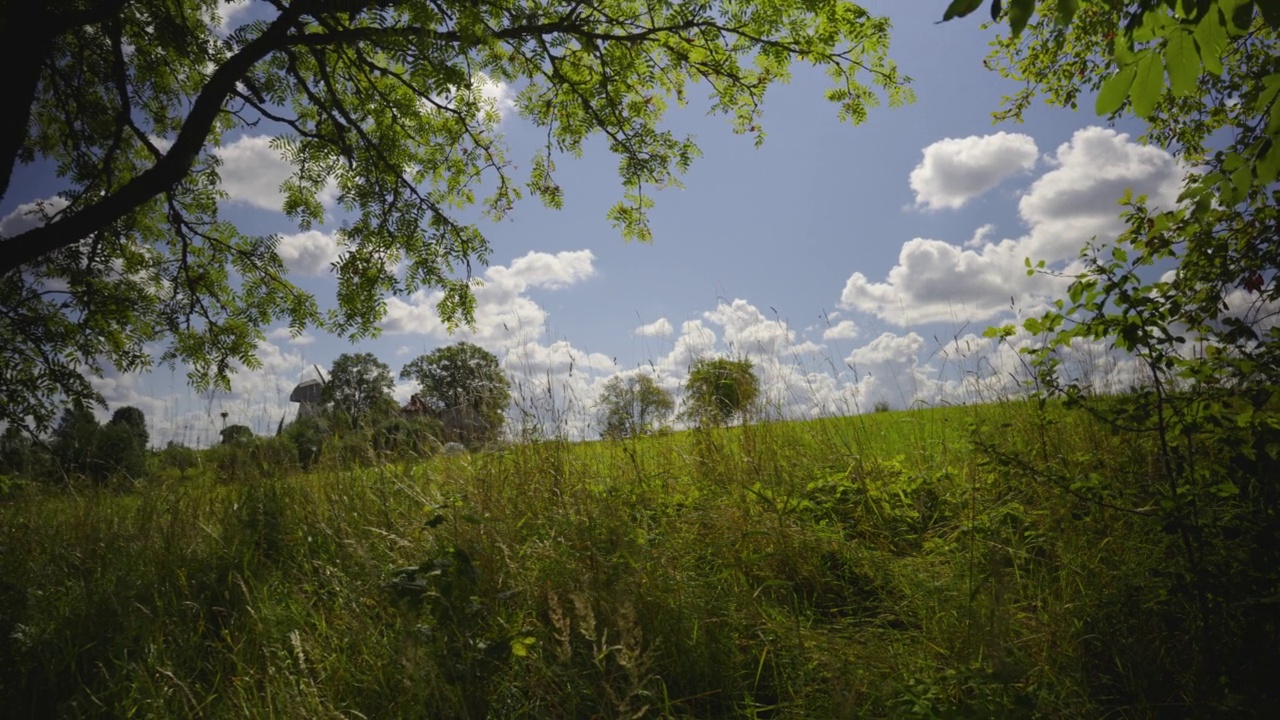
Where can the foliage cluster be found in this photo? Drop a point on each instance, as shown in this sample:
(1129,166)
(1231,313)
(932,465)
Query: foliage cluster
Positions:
(129,103)
(719,389)
(80,448)
(630,406)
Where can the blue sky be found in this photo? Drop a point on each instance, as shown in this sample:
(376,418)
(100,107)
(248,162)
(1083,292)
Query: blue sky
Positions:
(852,264)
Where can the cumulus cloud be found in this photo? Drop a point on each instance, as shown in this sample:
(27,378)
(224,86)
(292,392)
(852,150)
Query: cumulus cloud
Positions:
(888,369)
(497,94)
(252,172)
(1079,198)
(31,215)
(843,330)
(936,281)
(505,316)
(957,170)
(543,270)
(284,334)
(658,328)
(748,332)
(308,253)
(231,14)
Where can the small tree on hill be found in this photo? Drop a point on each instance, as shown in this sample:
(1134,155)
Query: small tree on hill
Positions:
(719,389)
(464,387)
(75,441)
(359,387)
(122,444)
(233,434)
(134,419)
(630,406)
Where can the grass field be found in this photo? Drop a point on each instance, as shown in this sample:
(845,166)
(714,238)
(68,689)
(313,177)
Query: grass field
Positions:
(939,563)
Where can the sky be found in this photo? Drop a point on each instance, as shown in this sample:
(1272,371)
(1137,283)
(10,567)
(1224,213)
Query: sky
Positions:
(852,265)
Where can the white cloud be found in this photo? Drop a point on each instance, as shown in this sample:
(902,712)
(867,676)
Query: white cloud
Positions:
(748,332)
(695,341)
(888,369)
(252,171)
(935,281)
(543,270)
(497,94)
(31,215)
(309,253)
(957,170)
(980,236)
(505,316)
(1079,198)
(658,328)
(231,14)
(284,334)
(843,330)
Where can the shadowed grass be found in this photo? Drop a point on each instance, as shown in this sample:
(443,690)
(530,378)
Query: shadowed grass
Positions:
(884,565)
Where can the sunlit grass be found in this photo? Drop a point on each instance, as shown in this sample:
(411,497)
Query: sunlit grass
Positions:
(873,566)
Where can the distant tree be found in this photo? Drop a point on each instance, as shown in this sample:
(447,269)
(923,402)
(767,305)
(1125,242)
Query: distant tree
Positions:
(463,386)
(233,434)
(120,452)
(19,455)
(719,389)
(630,406)
(75,441)
(359,386)
(134,419)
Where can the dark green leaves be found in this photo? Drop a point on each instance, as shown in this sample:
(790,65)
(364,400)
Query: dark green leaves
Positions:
(1148,83)
(1182,62)
(961,8)
(1114,91)
(1020,12)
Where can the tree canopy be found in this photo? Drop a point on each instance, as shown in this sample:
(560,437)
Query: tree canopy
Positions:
(718,389)
(380,99)
(359,386)
(464,387)
(630,406)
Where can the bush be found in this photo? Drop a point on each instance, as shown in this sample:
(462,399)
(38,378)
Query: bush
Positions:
(307,436)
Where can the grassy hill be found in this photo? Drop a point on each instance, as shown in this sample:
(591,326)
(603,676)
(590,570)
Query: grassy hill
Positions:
(993,561)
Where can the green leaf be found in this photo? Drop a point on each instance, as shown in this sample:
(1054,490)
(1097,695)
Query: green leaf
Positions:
(1114,90)
(1269,163)
(1211,38)
(1067,11)
(1182,62)
(996,7)
(1242,179)
(1240,12)
(1148,84)
(1020,14)
(1270,12)
(960,8)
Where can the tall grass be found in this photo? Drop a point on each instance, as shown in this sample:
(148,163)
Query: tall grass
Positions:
(900,564)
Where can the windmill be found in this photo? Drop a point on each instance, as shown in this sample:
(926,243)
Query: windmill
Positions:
(308,394)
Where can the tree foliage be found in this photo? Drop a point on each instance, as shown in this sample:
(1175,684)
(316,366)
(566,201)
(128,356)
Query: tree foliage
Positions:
(631,406)
(235,434)
(359,386)
(381,99)
(1191,294)
(719,389)
(463,386)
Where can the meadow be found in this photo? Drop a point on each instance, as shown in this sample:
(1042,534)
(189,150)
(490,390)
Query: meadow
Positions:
(900,564)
